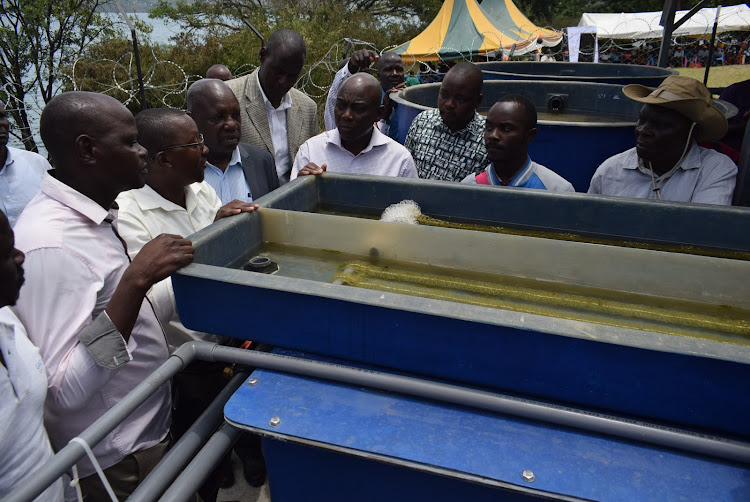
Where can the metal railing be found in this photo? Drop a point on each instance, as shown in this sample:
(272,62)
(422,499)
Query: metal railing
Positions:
(201,465)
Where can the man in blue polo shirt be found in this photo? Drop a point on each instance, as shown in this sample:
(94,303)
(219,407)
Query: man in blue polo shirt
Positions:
(510,127)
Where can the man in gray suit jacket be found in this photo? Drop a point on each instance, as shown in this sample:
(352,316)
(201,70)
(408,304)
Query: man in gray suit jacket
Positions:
(234,170)
(277,117)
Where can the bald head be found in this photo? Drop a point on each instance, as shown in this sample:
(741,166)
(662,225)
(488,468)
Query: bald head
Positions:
(364,86)
(72,114)
(215,109)
(390,70)
(93,142)
(357,109)
(219,71)
(206,91)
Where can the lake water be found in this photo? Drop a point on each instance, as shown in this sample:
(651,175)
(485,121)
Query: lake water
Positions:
(162,31)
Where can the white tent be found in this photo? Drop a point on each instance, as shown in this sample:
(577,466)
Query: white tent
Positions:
(640,25)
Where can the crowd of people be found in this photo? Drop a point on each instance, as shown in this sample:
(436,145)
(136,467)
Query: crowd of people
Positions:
(88,309)
(688,55)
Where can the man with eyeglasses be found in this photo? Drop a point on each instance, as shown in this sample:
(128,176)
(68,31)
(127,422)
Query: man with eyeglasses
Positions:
(177,200)
(235,170)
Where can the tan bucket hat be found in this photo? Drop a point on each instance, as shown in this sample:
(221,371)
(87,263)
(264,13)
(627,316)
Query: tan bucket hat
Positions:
(687,97)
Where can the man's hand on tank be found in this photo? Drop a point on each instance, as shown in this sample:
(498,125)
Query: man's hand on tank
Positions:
(159,259)
(235,207)
(312,169)
(387,97)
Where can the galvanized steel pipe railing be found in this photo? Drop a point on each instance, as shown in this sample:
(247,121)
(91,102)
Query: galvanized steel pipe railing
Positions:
(660,436)
(185,486)
(178,456)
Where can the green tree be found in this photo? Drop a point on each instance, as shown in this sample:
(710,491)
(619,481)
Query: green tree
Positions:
(320,22)
(37,39)
(218,32)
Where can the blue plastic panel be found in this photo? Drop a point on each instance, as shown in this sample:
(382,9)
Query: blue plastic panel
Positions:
(684,389)
(396,437)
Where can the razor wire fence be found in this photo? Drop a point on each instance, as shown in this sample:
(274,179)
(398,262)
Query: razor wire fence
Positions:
(166,81)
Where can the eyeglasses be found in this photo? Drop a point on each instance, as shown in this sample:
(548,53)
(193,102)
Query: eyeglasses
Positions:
(199,144)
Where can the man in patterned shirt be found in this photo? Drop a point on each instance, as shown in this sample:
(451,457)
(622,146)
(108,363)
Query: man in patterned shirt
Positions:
(448,143)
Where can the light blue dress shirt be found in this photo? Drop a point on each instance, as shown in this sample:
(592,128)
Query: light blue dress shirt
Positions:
(20,179)
(230,184)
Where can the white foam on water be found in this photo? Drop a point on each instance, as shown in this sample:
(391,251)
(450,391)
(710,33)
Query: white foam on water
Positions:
(406,211)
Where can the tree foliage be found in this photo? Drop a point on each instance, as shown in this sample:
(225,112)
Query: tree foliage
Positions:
(37,38)
(320,22)
(218,32)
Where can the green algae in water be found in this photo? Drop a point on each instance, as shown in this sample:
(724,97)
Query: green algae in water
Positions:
(614,308)
(595,305)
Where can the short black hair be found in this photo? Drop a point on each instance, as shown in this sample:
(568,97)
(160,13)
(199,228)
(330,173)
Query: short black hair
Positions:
(526,103)
(154,130)
(471,74)
(286,39)
(69,115)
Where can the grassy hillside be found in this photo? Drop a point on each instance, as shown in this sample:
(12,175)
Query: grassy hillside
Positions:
(719,76)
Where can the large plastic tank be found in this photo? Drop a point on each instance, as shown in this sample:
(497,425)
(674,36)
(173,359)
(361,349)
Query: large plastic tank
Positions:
(622,74)
(656,338)
(580,124)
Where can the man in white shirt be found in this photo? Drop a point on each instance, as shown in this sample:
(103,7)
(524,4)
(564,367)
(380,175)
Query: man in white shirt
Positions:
(235,170)
(355,146)
(176,200)
(20,175)
(84,304)
(277,117)
(391,76)
(510,127)
(667,163)
(24,445)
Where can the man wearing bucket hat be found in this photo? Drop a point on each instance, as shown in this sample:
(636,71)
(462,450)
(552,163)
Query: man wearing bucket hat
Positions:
(667,163)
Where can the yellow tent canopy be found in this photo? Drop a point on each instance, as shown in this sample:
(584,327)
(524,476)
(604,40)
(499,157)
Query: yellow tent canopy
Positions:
(463,29)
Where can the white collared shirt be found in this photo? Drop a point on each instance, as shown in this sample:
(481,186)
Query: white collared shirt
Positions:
(382,156)
(229,184)
(279,134)
(74,262)
(704,175)
(20,178)
(24,446)
(329,116)
(143,215)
